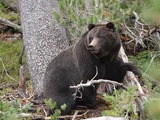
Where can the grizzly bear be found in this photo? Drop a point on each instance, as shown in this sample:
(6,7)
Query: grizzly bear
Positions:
(96,48)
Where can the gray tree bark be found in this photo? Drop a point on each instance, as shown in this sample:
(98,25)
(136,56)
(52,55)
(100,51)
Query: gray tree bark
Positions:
(43,37)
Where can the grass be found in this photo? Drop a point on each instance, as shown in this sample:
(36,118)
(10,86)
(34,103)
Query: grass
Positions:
(9,56)
(9,51)
(9,15)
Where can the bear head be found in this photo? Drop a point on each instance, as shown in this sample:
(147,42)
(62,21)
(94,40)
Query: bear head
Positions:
(103,41)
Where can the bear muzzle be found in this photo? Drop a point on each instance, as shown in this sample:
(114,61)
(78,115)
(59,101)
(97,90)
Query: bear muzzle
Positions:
(94,47)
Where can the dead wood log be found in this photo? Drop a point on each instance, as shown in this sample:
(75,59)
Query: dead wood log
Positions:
(73,117)
(10,24)
(130,79)
(26,115)
(107,118)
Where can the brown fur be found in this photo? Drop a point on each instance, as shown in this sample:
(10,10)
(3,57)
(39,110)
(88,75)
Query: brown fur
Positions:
(99,48)
(79,63)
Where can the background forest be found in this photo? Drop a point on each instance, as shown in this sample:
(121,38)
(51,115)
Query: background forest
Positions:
(138,22)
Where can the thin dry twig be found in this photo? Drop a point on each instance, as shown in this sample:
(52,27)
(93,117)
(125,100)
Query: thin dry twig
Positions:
(44,111)
(69,116)
(21,115)
(151,61)
(78,89)
(31,96)
(142,32)
(140,106)
(75,115)
(4,68)
(89,83)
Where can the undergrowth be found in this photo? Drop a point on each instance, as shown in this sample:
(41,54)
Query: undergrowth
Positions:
(12,110)
(121,104)
(149,63)
(53,105)
(9,67)
(9,15)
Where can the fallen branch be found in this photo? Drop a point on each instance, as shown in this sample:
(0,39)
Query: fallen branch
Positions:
(10,24)
(92,82)
(75,115)
(141,32)
(28,115)
(25,115)
(69,116)
(5,70)
(140,97)
(107,118)
(130,77)
(131,80)
(140,107)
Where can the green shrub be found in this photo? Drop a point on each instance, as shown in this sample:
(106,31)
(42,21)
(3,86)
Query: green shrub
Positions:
(121,103)
(74,14)
(53,105)
(10,110)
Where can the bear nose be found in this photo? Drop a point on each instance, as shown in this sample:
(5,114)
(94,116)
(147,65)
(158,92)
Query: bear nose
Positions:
(90,47)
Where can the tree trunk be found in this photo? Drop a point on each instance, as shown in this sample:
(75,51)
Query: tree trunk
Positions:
(43,37)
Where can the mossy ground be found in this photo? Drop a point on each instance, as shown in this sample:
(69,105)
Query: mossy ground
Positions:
(8,14)
(9,52)
(9,55)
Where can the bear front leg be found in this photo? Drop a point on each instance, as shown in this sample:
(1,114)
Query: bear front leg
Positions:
(124,67)
(88,97)
(117,70)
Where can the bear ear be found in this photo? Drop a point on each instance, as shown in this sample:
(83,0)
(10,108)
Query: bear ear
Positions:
(110,25)
(91,26)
